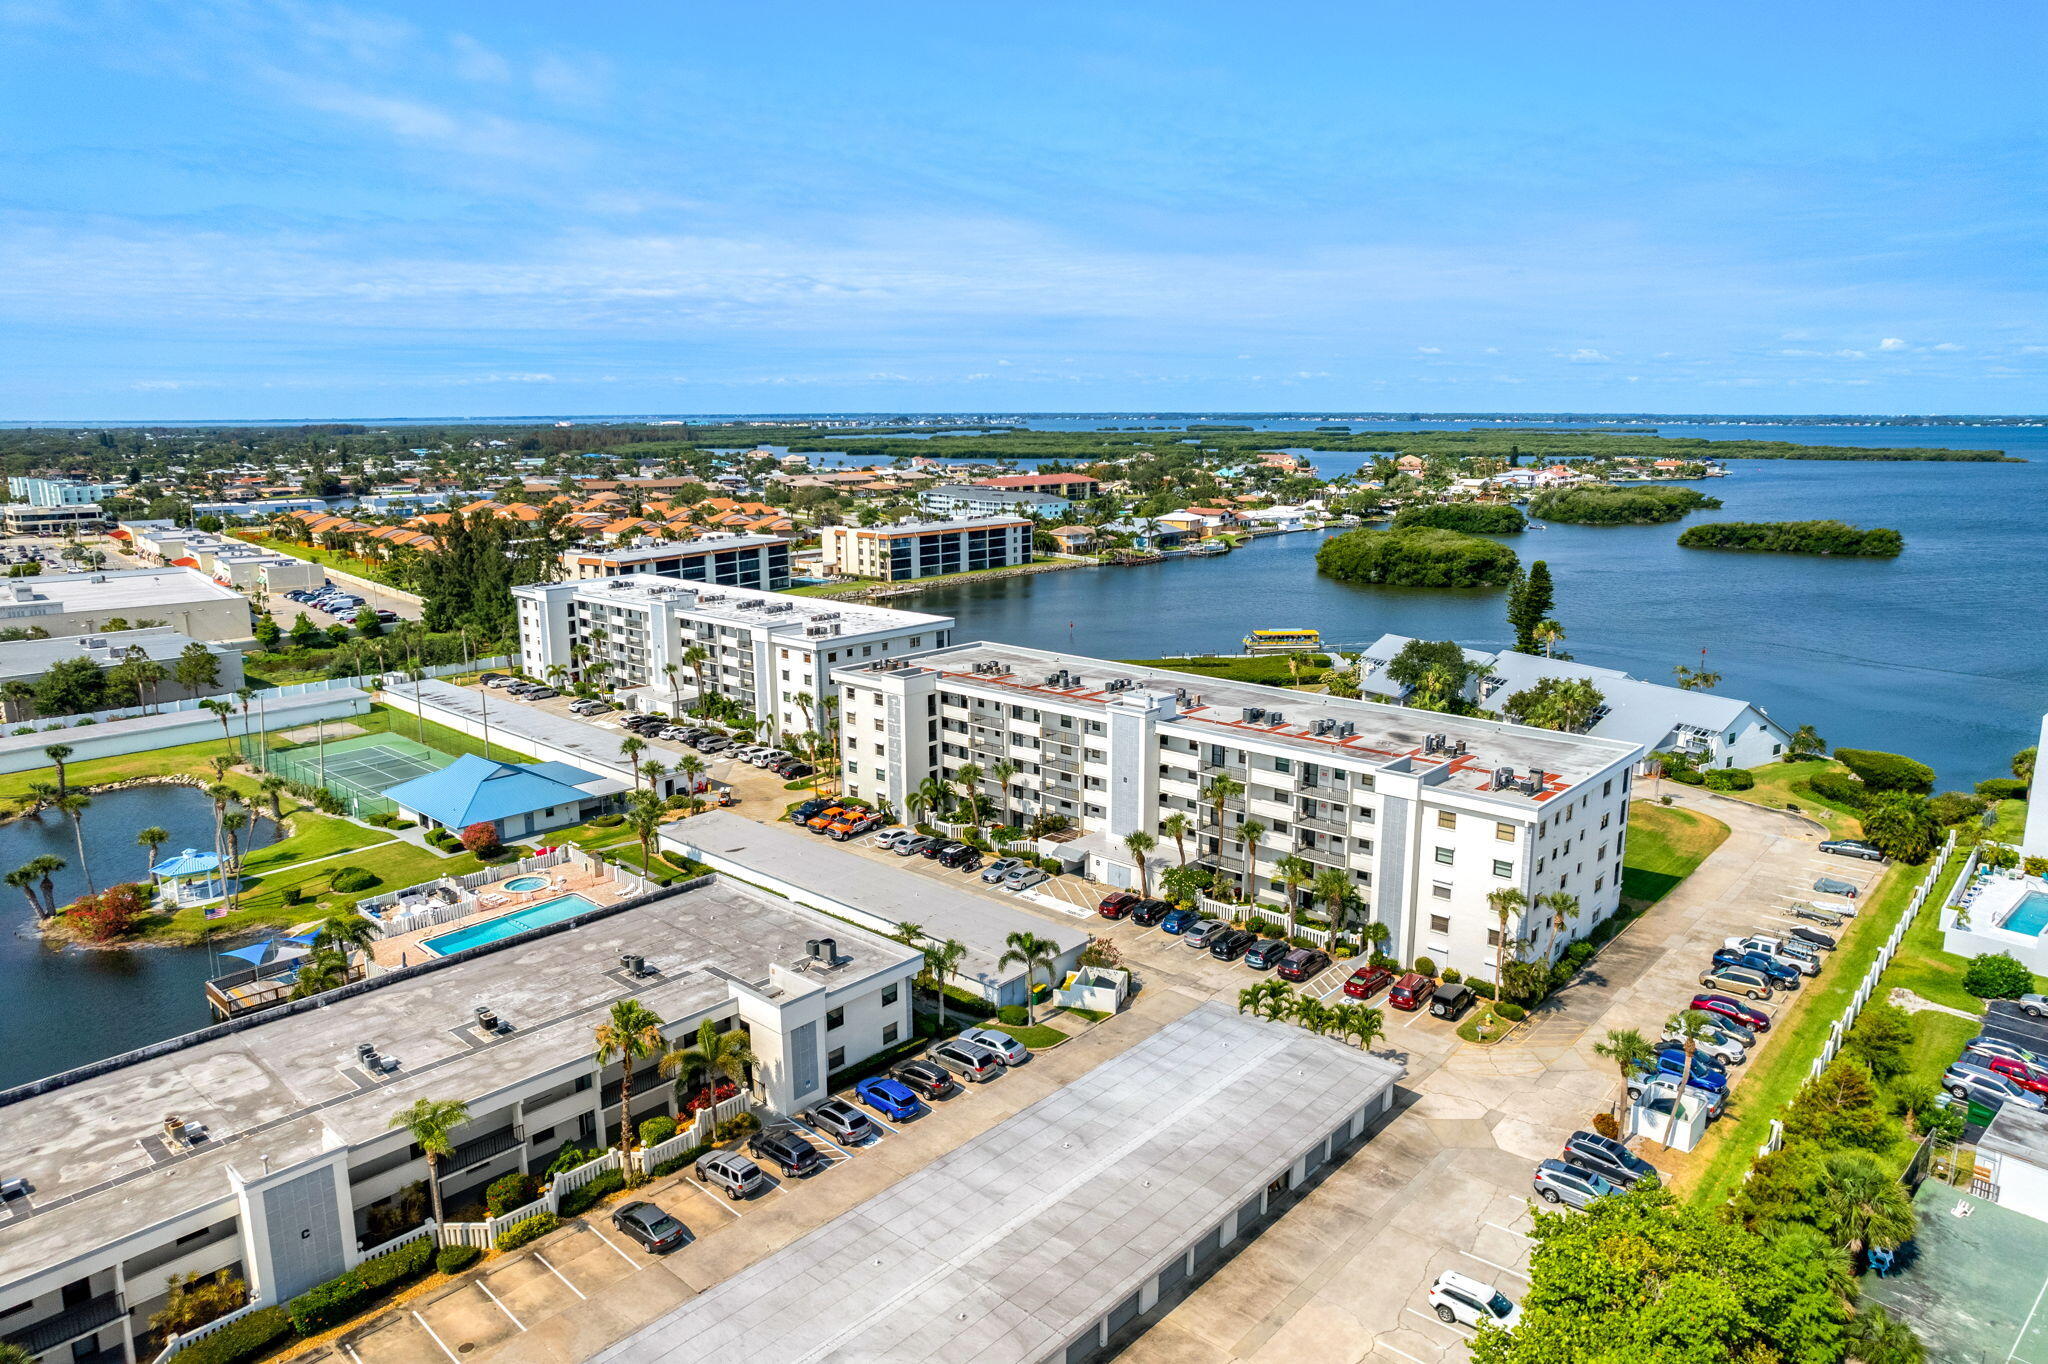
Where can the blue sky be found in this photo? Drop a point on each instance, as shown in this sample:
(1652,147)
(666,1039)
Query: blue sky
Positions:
(230,208)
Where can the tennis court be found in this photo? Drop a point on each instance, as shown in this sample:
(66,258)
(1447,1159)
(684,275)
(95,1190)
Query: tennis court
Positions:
(1973,1282)
(359,769)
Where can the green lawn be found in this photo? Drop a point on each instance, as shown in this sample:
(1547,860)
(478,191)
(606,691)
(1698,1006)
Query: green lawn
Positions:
(397,864)
(389,720)
(1037,1037)
(2012,821)
(347,563)
(1799,1028)
(1665,845)
(314,835)
(1779,785)
(1267,669)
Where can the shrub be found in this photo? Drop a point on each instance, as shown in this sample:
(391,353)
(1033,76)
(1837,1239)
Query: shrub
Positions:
(569,1158)
(1840,788)
(532,1229)
(1051,866)
(329,1304)
(1513,1013)
(657,1129)
(738,1125)
(1607,1125)
(2002,788)
(455,1259)
(1578,954)
(592,1194)
(291,895)
(346,879)
(1729,779)
(1452,975)
(1424,966)
(482,839)
(683,1161)
(1482,988)
(608,821)
(509,1191)
(1954,807)
(1886,771)
(110,914)
(1383,961)
(241,1339)
(1012,1014)
(1996,975)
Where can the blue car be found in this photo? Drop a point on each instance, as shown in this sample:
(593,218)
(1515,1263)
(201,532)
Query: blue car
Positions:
(1671,1062)
(1177,920)
(1701,1060)
(890,1098)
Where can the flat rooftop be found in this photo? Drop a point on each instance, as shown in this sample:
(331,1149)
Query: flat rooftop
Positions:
(707,545)
(744,605)
(511,721)
(1214,712)
(937,525)
(783,851)
(24,657)
(285,1086)
(1007,1247)
(112,589)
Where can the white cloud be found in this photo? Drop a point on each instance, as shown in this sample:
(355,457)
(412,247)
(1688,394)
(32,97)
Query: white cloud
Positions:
(1429,350)
(1891,343)
(1948,346)
(1586,355)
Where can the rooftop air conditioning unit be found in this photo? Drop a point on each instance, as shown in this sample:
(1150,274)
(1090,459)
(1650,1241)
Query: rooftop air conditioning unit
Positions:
(1053,679)
(1503,777)
(1274,717)
(1253,714)
(633,963)
(1347,729)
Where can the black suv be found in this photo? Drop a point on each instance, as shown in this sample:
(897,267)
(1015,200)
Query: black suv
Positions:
(926,1079)
(940,848)
(1150,912)
(961,857)
(1607,1158)
(1265,954)
(786,1149)
(1231,944)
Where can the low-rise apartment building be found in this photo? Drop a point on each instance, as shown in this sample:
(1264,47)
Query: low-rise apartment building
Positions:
(771,653)
(756,561)
(58,492)
(1073,487)
(966,499)
(1425,814)
(83,603)
(926,549)
(265,1147)
(234,563)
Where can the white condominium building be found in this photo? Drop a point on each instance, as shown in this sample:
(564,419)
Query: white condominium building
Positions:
(1427,814)
(926,549)
(763,650)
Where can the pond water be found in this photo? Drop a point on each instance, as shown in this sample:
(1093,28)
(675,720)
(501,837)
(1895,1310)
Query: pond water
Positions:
(64,1006)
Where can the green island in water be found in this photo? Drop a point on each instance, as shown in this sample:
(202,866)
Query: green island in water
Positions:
(1795,537)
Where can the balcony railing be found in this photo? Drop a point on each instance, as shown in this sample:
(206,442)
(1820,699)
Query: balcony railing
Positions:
(1323,823)
(69,1324)
(1324,856)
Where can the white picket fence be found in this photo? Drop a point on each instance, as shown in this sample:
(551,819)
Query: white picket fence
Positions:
(484,1235)
(698,1133)
(1838,1031)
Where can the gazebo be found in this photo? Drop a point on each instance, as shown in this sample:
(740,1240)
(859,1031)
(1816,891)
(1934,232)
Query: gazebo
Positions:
(174,877)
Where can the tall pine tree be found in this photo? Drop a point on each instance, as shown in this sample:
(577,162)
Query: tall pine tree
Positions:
(1530,598)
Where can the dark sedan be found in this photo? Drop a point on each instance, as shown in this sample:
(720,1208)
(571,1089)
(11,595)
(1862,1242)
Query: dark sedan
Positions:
(1150,912)
(654,1229)
(1231,944)
(927,1079)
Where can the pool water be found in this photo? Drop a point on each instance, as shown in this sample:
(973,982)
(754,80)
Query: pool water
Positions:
(522,883)
(507,925)
(2029,916)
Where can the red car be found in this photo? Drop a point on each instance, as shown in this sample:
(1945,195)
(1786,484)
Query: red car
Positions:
(1116,904)
(1411,992)
(2030,1078)
(1754,1019)
(1367,981)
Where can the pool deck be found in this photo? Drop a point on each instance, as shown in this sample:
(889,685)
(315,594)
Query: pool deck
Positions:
(1992,899)
(566,879)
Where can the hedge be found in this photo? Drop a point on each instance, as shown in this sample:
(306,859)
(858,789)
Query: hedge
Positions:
(241,1339)
(346,879)
(1886,771)
(532,1229)
(1730,779)
(656,1130)
(2002,788)
(1513,1013)
(1839,787)
(455,1259)
(591,1194)
(681,1162)
(329,1304)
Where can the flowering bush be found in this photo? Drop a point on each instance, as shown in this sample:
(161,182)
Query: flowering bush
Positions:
(481,839)
(110,914)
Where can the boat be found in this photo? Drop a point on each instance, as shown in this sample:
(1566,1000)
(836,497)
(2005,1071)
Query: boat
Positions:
(1209,547)
(1282,641)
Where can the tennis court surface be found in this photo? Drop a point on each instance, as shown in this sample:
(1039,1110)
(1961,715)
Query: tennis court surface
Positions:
(1974,1287)
(364,766)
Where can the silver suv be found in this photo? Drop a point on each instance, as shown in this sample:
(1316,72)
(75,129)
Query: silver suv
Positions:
(1557,1182)
(968,1060)
(730,1171)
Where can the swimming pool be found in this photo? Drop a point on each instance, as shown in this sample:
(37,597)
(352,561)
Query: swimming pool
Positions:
(525,883)
(506,925)
(2029,916)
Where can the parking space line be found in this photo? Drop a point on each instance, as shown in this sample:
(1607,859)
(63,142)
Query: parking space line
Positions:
(614,1245)
(501,1306)
(1509,1230)
(1494,1263)
(1433,1317)
(1382,1345)
(436,1338)
(560,1275)
(350,1351)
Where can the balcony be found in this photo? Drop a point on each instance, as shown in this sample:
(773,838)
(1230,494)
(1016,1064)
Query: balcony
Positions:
(1323,823)
(477,1150)
(1067,766)
(69,1324)
(1324,856)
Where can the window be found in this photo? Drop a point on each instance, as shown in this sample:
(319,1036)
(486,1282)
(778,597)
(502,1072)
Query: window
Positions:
(888,1033)
(889,994)
(835,1059)
(1501,868)
(1440,890)
(835,1018)
(1444,855)
(1439,923)
(1446,819)
(1598,882)
(1283,765)
(1504,832)
(1493,937)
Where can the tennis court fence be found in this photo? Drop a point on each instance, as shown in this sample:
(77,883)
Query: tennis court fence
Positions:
(355,770)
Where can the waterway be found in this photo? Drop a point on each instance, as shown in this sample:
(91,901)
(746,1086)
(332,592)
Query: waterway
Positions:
(64,1006)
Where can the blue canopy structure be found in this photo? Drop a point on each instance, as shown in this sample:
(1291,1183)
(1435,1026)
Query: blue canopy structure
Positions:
(190,862)
(253,954)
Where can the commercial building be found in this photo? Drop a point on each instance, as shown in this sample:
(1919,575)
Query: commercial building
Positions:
(1060,1234)
(58,492)
(964,499)
(1717,730)
(925,549)
(83,603)
(231,562)
(25,660)
(22,518)
(766,651)
(1426,814)
(259,508)
(756,561)
(264,1147)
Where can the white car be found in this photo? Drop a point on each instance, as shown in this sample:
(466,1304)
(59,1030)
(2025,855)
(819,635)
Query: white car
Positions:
(768,756)
(1461,1298)
(1806,963)
(1013,1052)
(1723,1047)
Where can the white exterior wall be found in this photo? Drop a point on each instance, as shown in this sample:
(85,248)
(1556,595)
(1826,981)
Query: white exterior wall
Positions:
(2021,1186)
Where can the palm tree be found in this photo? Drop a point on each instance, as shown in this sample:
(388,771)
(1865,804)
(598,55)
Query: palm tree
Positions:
(629,1033)
(1877,1337)
(222,711)
(675,695)
(75,805)
(1627,1049)
(941,960)
(654,770)
(1504,903)
(273,788)
(1563,909)
(1294,871)
(629,750)
(1252,999)
(1312,1014)
(727,1053)
(57,753)
(1217,792)
(345,931)
(931,797)
(691,767)
(1363,1022)
(430,1123)
(643,816)
(968,780)
(232,822)
(1547,633)
(1332,887)
(46,868)
(153,838)
(1866,1205)
(20,699)
(1031,952)
(1689,1027)
(23,879)
(1002,774)
(1140,843)
(1251,831)
(1177,827)
(1276,1005)
(325,970)
(694,658)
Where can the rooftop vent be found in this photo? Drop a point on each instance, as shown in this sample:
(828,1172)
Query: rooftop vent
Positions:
(1253,714)
(634,964)
(822,951)
(1274,717)
(1503,777)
